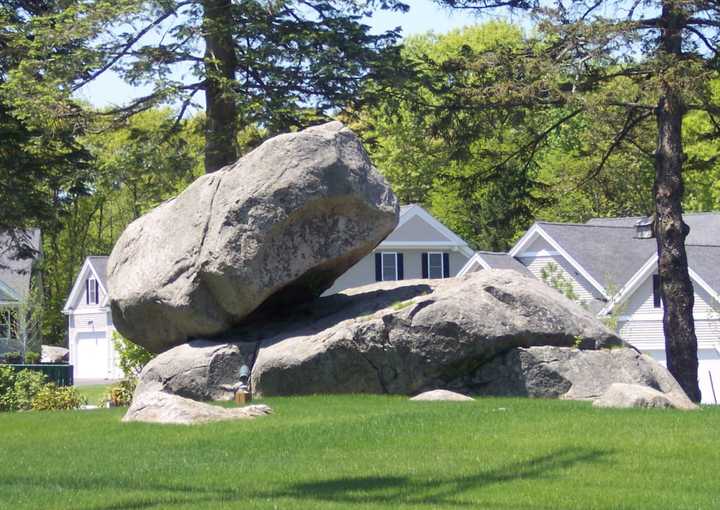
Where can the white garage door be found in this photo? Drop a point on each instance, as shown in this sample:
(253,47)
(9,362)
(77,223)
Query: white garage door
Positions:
(92,356)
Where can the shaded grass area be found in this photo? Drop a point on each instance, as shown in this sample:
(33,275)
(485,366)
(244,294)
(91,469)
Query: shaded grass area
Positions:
(368,452)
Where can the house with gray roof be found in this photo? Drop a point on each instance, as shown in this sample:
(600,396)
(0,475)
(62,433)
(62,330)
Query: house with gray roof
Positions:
(90,325)
(20,250)
(419,247)
(611,268)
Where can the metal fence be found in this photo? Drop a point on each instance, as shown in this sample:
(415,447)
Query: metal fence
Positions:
(62,375)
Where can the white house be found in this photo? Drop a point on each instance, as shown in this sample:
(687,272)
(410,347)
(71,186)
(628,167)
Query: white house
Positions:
(20,250)
(419,247)
(613,271)
(90,326)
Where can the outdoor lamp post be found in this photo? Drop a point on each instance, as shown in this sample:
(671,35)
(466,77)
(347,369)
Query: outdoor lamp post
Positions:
(242,394)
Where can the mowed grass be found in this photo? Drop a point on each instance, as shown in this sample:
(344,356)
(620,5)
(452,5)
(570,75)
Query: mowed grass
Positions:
(368,452)
(94,392)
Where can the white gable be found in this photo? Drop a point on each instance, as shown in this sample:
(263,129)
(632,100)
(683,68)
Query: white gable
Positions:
(77,299)
(418,229)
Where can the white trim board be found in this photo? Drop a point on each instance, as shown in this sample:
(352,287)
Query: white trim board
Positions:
(537,231)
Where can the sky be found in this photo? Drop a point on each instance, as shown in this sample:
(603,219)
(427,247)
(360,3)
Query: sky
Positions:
(424,16)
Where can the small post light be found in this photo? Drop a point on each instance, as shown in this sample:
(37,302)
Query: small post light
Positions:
(242,393)
(244,374)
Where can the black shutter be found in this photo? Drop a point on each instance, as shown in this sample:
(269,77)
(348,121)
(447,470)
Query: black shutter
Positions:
(446,265)
(657,291)
(97,293)
(424,258)
(400,267)
(378,267)
(87,291)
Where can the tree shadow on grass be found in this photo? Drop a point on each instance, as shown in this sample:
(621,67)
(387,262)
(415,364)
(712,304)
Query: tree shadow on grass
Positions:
(382,491)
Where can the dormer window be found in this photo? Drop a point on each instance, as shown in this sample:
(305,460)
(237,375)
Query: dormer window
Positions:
(91,291)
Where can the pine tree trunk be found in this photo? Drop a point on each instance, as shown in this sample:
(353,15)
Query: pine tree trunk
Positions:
(670,230)
(220,67)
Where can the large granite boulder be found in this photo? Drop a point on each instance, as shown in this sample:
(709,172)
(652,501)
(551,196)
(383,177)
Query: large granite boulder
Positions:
(620,395)
(392,337)
(568,373)
(161,407)
(274,229)
(199,369)
(53,354)
(441,396)
(410,336)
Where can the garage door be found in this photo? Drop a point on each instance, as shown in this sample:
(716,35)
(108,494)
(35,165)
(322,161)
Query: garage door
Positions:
(91,358)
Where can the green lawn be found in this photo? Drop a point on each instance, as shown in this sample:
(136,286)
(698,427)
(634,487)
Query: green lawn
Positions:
(93,393)
(368,452)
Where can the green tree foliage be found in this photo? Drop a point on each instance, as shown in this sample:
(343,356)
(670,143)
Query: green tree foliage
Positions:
(41,162)
(136,166)
(280,64)
(479,193)
(647,61)
(132,357)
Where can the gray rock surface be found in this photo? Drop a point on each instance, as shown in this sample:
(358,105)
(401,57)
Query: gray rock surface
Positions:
(551,372)
(53,354)
(274,229)
(199,370)
(441,395)
(161,407)
(410,336)
(393,337)
(621,395)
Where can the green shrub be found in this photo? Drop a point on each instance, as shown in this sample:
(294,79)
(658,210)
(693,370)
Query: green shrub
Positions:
(17,389)
(131,357)
(120,394)
(7,384)
(27,384)
(31,358)
(54,398)
(13,357)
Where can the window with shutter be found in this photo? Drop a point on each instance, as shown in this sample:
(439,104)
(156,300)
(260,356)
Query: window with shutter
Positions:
(92,291)
(435,265)
(389,266)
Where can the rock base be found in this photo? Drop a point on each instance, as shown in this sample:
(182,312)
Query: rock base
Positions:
(161,407)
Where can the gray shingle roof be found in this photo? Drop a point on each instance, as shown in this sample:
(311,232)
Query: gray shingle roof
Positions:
(608,250)
(705,261)
(499,260)
(704,227)
(611,254)
(16,272)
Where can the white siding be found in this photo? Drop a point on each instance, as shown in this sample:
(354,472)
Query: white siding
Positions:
(640,303)
(416,230)
(363,273)
(708,372)
(585,292)
(90,321)
(648,333)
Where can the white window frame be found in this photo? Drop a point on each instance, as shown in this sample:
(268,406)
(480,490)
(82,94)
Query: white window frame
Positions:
(382,265)
(93,289)
(442,264)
